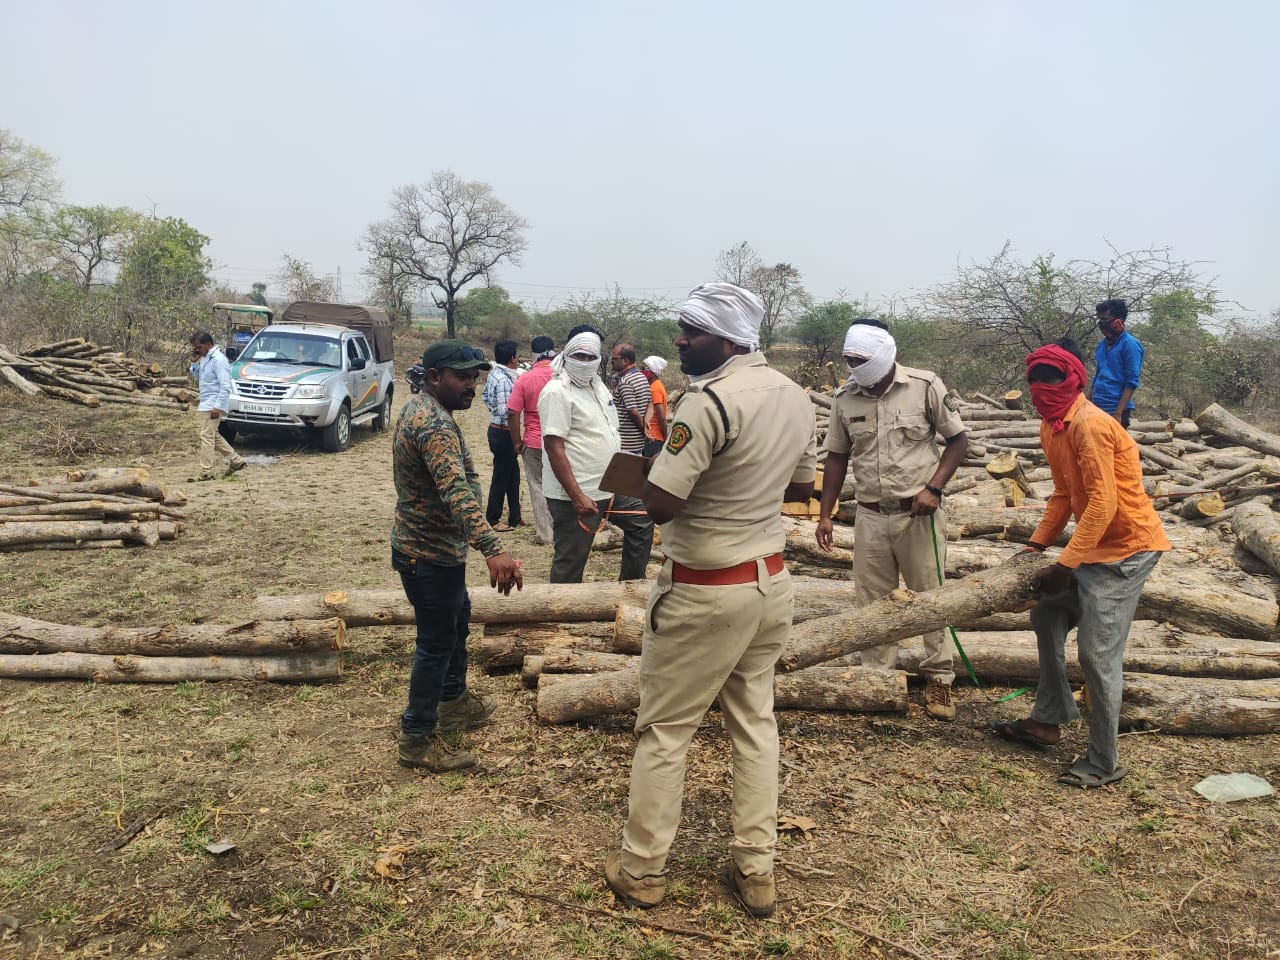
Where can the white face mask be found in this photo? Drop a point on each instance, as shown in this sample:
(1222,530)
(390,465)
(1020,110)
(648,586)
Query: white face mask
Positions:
(867,375)
(581,371)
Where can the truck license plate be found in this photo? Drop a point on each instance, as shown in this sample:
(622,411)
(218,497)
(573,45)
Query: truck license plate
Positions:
(249,406)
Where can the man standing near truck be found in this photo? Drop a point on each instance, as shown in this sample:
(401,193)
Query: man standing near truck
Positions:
(438,514)
(213,374)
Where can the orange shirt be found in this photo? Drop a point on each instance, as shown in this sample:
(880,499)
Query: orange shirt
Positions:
(1097,477)
(658,392)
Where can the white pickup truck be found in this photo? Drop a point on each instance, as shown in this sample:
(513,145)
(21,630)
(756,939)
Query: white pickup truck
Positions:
(321,366)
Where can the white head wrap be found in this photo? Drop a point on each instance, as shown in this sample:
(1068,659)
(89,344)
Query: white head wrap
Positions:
(874,345)
(656,364)
(726,310)
(579,372)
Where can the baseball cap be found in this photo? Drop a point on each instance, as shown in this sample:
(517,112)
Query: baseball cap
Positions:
(454,355)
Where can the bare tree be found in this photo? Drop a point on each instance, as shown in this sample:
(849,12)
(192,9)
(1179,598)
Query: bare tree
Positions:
(27,181)
(444,234)
(300,282)
(89,239)
(737,264)
(1029,304)
(781,290)
(390,287)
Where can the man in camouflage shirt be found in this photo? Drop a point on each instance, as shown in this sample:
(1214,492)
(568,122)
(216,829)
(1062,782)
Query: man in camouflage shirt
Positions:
(438,513)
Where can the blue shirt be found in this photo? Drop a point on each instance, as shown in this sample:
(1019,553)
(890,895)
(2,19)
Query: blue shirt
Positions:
(497,393)
(1119,368)
(213,373)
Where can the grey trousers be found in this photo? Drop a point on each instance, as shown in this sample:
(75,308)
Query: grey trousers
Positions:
(532,458)
(1102,600)
(573,544)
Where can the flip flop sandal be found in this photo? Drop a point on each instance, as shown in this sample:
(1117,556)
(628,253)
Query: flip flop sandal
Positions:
(1087,780)
(502,528)
(1017,733)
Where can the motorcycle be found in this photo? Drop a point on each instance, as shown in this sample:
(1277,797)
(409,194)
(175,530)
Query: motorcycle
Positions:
(417,377)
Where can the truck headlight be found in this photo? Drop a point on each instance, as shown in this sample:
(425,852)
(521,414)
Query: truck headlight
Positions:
(311,391)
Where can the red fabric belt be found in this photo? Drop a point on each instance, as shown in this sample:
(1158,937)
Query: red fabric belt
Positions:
(903,505)
(738,573)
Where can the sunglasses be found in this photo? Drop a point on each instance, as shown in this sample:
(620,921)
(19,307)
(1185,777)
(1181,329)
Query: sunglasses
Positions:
(465,354)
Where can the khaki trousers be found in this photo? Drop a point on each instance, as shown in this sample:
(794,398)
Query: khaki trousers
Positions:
(211,442)
(889,544)
(700,643)
(532,458)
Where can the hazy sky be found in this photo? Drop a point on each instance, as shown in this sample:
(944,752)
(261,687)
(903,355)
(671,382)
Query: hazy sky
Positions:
(872,145)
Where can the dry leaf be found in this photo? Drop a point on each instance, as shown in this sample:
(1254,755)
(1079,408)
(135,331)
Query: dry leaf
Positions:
(803,824)
(391,860)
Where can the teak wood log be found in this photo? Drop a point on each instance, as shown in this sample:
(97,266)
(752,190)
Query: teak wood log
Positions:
(1200,706)
(1258,531)
(17,533)
(127,668)
(564,698)
(25,635)
(1226,426)
(1013,655)
(503,651)
(1201,603)
(562,660)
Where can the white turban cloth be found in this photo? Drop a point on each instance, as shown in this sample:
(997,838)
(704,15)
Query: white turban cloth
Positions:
(876,347)
(727,311)
(656,364)
(579,372)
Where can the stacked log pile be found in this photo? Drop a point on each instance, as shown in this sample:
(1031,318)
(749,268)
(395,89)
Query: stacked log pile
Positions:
(83,372)
(307,650)
(89,509)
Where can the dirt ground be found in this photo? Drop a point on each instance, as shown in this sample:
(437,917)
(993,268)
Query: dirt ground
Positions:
(922,839)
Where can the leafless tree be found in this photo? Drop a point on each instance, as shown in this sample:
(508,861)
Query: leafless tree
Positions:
(737,264)
(27,180)
(443,234)
(781,290)
(1029,304)
(89,240)
(300,282)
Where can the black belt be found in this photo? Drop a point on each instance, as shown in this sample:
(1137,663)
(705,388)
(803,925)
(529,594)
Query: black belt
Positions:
(890,506)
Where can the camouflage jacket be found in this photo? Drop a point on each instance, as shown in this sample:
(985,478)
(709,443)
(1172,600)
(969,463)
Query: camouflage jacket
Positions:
(438,508)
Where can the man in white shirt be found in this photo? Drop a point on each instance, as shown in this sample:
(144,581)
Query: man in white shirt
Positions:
(579,438)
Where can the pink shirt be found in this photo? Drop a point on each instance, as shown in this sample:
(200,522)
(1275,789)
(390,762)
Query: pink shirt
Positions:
(524,399)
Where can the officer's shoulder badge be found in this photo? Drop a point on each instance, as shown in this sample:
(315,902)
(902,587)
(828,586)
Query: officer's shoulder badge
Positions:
(679,437)
(951,402)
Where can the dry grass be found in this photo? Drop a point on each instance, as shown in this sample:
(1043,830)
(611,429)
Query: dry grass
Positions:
(928,836)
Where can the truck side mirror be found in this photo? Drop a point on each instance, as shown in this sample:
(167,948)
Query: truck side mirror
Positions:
(357,363)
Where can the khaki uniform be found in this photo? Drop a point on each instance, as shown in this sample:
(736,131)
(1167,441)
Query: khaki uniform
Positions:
(892,449)
(700,642)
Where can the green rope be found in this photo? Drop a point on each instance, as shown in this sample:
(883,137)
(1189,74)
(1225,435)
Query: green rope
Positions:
(964,657)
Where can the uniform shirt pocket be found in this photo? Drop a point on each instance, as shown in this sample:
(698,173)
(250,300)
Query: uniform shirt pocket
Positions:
(910,432)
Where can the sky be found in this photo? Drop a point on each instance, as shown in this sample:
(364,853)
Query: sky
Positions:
(875,146)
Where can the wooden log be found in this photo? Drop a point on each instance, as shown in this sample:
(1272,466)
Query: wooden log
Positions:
(497,651)
(991,402)
(1007,466)
(976,414)
(17,532)
(47,348)
(143,402)
(968,519)
(561,660)
(1258,530)
(282,668)
(537,602)
(1168,462)
(1198,602)
(1216,420)
(563,698)
(85,474)
(1013,400)
(1195,508)
(1013,655)
(820,399)
(123,485)
(23,385)
(251,637)
(1200,706)
(65,545)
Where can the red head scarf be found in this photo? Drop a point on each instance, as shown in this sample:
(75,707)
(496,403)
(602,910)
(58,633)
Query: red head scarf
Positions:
(1052,401)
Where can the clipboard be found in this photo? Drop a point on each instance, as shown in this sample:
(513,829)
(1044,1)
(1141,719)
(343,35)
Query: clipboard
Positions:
(626,474)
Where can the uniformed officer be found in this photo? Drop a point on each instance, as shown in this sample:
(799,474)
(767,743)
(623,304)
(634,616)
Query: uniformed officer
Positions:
(884,422)
(741,442)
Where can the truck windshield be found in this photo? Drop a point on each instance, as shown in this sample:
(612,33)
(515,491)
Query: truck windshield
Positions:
(295,348)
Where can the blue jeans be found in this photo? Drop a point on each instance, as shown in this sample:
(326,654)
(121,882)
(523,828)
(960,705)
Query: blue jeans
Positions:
(442,610)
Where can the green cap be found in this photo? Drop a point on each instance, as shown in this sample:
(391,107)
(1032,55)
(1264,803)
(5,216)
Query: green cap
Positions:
(454,355)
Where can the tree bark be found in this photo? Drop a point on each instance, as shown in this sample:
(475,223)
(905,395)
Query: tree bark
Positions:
(16,532)
(25,635)
(1258,531)
(1199,603)
(126,668)
(1217,421)
(1215,708)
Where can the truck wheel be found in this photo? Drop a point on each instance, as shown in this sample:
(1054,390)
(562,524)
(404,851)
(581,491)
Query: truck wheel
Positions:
(337,435)
(382,420)
(228,432)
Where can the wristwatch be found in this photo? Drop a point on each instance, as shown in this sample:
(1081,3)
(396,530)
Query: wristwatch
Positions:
(936,491)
